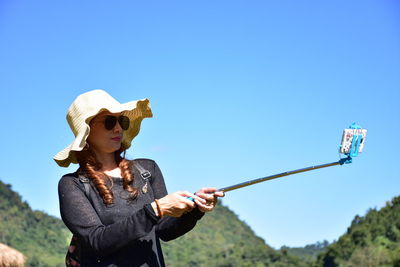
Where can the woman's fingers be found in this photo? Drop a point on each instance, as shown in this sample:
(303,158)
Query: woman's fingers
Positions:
(210,195)
(204,207)
(180,202)
(177,203)
(207,190)
(186,195)
(219,194)
(211,190)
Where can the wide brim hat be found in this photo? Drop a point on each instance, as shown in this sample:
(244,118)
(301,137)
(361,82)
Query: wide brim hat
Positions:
(86,106)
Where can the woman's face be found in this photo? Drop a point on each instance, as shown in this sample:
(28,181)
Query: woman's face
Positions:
(101,139)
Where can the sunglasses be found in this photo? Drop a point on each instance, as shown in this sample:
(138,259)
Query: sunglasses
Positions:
(110,122)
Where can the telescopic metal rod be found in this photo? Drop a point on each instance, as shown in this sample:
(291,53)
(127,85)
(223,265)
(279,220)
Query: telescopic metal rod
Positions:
(260,180)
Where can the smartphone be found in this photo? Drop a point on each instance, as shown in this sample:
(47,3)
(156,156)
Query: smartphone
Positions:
(347,139)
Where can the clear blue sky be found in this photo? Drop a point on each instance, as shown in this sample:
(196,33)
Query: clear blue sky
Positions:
(239,90)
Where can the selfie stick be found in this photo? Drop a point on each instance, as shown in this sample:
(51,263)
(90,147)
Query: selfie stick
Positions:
(352,143)
(353,140)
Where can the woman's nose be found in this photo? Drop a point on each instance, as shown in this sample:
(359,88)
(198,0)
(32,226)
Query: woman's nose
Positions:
(117,128)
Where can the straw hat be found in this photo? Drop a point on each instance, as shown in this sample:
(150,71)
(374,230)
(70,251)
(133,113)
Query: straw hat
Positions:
(88,105)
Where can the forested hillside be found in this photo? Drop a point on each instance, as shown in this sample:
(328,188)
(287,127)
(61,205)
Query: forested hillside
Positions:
(40,237)
(371,240)
(220,239)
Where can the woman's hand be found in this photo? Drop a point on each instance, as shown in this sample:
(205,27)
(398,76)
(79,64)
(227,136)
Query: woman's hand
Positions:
(209,198)
(174,204)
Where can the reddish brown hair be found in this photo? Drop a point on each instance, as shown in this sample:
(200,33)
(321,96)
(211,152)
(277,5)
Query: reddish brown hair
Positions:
(90,167)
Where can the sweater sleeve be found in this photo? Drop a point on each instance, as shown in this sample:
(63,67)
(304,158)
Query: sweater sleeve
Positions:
(80,217)
(169,228)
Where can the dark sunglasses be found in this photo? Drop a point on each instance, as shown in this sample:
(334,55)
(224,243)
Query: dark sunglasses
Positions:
(110,122)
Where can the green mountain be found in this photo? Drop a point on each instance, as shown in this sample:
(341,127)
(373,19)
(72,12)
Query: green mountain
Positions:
(219,239)
(40,237)
(309,252)
(371,240)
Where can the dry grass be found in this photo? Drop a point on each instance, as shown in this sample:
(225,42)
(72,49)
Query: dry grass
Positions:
(10,257)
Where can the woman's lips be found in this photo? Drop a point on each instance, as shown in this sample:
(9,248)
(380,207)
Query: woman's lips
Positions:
(118,138)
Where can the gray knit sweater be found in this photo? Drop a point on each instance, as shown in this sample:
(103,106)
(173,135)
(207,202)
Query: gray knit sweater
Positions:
(127,232)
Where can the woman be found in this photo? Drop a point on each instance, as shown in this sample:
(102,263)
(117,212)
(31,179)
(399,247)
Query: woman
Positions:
(118,218)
